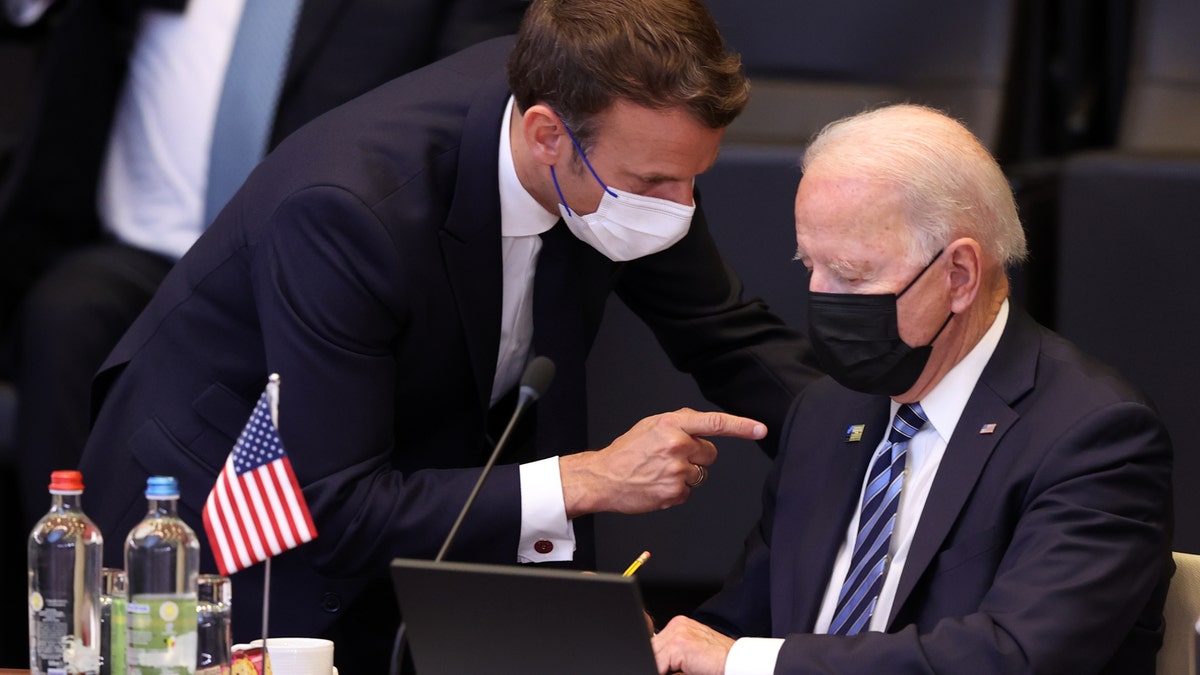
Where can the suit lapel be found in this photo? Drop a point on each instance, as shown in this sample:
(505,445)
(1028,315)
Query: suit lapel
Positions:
(471,236)
(1008,376)
(964,459)
(833,491)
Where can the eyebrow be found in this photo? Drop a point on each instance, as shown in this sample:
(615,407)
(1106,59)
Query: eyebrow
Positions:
(667,178)
(842,266)
(838,266)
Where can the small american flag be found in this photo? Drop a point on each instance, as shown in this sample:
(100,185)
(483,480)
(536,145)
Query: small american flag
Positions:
(256,509)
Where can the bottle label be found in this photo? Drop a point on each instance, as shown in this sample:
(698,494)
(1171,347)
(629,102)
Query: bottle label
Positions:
(57,650)
(114,653)
(162,634)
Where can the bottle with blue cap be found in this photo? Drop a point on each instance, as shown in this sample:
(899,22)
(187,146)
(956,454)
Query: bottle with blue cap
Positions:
(162,563)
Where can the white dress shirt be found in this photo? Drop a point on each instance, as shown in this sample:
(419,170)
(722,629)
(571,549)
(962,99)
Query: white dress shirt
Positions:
(522,219)
(155,171)
(943,406)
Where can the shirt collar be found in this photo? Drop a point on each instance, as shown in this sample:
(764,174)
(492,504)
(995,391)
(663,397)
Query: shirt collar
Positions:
(944,404)
(520,213)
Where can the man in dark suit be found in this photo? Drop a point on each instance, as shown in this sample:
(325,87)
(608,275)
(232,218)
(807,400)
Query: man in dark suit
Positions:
(1018,521)
(85,239)
(398,260)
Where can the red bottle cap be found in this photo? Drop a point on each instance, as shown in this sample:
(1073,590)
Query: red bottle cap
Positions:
(66,481)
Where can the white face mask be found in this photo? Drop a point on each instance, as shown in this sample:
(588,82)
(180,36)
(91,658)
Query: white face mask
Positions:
(625,226)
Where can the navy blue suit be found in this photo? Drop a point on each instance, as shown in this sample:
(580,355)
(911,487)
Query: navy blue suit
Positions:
(1044,546)
(361,262)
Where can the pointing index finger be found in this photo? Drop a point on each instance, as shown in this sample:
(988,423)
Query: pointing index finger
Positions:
(696,423)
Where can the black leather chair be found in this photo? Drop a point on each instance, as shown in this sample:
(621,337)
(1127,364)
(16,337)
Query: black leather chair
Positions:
(1162,107)
(813,62)
(1129,233)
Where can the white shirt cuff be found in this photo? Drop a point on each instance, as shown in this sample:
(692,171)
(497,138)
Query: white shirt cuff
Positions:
(753,656)
(546,534)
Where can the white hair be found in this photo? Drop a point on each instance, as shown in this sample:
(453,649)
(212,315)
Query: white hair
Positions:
(950,184)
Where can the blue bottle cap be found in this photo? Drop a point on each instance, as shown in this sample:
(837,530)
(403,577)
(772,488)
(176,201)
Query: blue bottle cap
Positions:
(162,487)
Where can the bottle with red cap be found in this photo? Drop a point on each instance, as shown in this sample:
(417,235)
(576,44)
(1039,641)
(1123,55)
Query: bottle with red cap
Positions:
(65,550)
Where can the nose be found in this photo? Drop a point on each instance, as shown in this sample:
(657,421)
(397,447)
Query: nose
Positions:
(818,282)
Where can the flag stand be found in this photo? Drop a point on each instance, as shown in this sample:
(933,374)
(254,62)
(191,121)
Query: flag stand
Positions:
(273,404)
(266,601)
(256,509)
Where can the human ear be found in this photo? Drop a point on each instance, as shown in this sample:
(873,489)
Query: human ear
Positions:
(544,134)
(965,259)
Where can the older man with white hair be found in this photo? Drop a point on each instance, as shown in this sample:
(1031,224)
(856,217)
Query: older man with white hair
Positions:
(966,492)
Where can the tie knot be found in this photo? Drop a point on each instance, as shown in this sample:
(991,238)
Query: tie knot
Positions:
(910,419)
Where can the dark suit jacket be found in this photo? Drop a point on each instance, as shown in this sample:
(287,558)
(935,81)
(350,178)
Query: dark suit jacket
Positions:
(1044,547)
(342,48)
(361,262)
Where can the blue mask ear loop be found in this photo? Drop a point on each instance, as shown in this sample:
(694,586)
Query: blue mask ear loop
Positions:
(586,163)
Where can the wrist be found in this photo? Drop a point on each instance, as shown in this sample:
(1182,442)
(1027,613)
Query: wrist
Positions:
(580,495)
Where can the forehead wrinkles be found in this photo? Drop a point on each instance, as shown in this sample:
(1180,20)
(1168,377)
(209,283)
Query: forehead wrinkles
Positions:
(837,210)
(666,143)
(657,160)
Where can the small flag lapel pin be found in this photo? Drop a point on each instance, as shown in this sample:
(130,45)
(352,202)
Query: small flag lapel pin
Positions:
(988,429)
(854,433)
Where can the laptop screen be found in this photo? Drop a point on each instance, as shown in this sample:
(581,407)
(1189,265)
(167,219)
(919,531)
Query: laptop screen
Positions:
(521,619)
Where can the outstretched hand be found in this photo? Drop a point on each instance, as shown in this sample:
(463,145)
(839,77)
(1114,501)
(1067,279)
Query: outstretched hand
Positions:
(652,466)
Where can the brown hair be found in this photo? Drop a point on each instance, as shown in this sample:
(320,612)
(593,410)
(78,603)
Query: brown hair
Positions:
(579,56)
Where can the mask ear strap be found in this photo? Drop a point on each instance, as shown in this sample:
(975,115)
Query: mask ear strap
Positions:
(562,200)
(939,332)
(583,156)
(919,274)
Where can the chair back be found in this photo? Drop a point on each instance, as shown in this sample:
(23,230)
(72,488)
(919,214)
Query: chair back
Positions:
(1164,79)
(1178,653)
(817,61)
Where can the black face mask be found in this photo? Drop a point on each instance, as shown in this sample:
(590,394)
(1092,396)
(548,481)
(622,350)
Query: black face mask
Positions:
(856,339)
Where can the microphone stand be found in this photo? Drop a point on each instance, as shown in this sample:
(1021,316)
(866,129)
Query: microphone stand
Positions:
(535,380)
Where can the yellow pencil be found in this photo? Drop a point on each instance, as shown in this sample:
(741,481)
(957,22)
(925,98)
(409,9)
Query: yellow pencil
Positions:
(633,566)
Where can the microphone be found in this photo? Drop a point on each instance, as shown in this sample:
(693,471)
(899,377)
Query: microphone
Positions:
(534,383)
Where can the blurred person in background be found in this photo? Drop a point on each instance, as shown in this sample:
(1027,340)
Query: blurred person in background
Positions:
(109,184)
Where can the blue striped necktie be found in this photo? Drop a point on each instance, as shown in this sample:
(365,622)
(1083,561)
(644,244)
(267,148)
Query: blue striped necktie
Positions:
(860,591)
(246,111)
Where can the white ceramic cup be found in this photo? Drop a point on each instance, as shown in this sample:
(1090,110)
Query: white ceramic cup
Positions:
(298,655)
